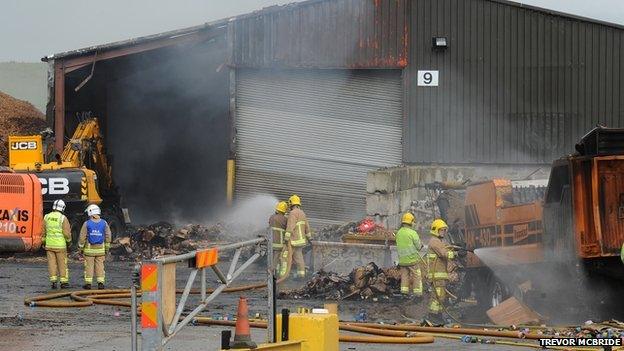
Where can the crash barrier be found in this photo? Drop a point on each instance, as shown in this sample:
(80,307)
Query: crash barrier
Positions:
(161,318)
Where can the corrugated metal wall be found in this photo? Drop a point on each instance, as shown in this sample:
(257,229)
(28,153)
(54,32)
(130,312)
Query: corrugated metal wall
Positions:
(516,85)
(316,133)
(327,34)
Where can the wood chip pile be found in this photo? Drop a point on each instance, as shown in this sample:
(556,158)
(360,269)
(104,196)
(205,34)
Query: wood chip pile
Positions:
(17,117)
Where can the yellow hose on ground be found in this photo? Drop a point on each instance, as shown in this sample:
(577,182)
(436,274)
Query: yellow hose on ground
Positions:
(403,339)
(386,339)
(102,297)
(84,298)
(463,331)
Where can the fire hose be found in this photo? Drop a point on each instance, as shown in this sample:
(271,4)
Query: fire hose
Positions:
(391,334)
(383,333)
(98,296)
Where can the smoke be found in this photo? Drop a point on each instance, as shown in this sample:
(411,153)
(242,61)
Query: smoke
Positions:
(248,217)
(167,132)
(561,291)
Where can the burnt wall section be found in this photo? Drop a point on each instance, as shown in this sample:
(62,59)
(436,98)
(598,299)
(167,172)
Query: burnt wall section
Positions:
(167,129)
(324,34)
(516,85)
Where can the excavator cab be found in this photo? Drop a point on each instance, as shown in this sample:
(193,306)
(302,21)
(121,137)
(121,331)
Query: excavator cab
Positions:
(20,212)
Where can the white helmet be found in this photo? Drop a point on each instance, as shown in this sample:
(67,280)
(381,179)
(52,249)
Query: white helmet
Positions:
(93,210)
(58,205)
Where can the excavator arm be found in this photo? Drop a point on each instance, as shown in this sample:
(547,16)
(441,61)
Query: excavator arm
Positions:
(86,149)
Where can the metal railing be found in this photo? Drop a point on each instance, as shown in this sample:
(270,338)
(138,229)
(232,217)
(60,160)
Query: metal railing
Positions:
(159,321)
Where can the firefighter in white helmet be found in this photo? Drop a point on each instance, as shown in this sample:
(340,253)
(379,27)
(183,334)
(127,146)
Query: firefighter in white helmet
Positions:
(56,238)
(94,242)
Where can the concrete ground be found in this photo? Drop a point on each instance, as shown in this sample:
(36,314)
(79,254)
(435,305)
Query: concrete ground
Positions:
(108,328)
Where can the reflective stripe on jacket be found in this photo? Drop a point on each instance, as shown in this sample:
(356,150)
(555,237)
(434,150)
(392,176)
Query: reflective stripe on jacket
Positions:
(54,237)
(297,228)
(437,257)
(408,246)
(277,223)
(89,249)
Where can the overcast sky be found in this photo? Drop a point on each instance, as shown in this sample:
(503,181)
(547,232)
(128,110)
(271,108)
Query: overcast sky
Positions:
(30,29)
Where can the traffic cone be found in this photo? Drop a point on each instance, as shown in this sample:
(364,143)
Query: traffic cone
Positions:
(242,335)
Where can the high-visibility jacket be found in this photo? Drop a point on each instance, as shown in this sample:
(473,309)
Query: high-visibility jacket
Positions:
(437,259)
(92,241)
(277,223)
(408,246)
(297,228)
(56,235)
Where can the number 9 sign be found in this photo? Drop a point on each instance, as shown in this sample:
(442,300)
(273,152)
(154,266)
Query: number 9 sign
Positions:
(427,78)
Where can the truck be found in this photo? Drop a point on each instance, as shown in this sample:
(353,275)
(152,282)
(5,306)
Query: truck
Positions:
(80,175)
(568,243)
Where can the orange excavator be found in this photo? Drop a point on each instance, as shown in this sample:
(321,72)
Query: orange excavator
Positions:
(80,176)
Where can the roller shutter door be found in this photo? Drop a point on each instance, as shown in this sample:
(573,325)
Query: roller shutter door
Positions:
(316,133)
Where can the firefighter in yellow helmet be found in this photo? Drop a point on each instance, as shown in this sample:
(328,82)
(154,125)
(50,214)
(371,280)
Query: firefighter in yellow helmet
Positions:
(408,246)
(297,235)
(438,256)
(277,223)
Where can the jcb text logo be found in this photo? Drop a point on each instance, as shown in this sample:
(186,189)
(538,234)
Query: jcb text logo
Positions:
(24,145)
(54,186)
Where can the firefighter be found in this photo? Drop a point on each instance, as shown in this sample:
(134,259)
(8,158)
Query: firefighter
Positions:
(56,238)
(277,223)
(296,236)
(438,257)
(95,238)
(408,246)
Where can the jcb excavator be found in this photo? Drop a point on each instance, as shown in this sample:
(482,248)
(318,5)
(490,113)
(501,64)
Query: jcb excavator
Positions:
(80,176)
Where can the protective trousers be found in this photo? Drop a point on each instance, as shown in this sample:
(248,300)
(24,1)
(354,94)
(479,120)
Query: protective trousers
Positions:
(437,298)
(91,264)
(411,278)
(298,261)
(57,266)
(277,260)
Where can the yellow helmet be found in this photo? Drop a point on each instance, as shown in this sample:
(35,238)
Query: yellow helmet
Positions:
(281,207)
(294,200)
(407,218)
(436,225)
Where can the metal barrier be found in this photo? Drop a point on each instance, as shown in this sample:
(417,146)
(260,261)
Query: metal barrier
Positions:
(161,319)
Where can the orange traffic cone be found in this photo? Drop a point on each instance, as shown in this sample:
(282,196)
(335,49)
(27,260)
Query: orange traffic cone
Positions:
(242,335)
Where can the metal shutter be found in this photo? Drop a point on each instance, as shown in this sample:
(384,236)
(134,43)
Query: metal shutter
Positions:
(316,133)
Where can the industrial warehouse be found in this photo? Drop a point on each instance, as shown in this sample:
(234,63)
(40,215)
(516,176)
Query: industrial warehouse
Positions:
(440,173)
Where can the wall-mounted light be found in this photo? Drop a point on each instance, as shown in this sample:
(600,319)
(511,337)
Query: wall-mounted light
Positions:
(439,43)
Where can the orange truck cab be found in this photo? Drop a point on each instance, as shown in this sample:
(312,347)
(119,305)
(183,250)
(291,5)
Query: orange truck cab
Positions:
(21,212)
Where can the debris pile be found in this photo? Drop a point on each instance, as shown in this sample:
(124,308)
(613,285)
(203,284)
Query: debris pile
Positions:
(367,231)
(17,117)
(335,232)
(162,238)
(353,231)
(367,282)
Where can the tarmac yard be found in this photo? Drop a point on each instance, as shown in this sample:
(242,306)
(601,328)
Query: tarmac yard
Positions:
(102,327)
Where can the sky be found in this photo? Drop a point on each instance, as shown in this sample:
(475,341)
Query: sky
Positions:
(31,29)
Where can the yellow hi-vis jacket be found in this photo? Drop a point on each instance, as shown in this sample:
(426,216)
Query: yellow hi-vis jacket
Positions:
(408,246)
(57,231)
